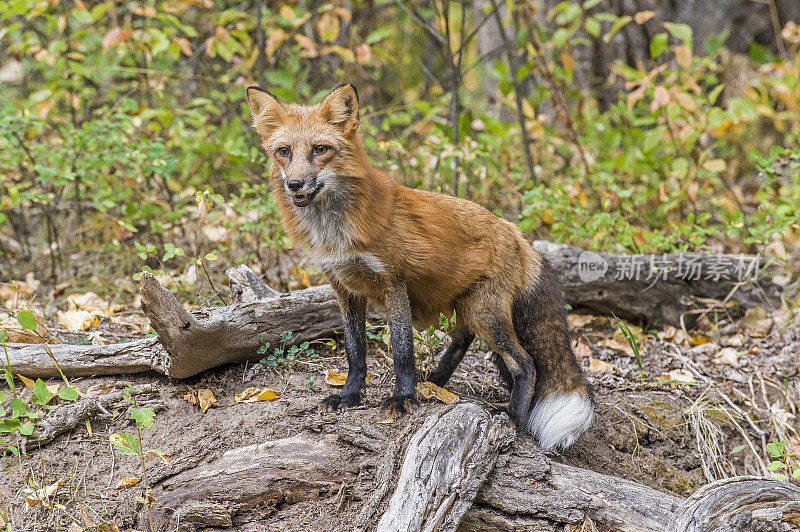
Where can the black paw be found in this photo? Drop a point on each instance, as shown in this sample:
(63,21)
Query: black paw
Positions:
(336,401)
(399,405)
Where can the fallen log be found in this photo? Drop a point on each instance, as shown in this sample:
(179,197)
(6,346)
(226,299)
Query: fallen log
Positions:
(272,473)
(458,471)
(649,288)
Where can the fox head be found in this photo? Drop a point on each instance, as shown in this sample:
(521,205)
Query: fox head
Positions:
(316,150)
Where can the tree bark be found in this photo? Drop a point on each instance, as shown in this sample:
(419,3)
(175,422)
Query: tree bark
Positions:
(662,289)
(458,473)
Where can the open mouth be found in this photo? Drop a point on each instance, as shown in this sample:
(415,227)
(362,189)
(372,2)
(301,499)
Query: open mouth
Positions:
(301,200)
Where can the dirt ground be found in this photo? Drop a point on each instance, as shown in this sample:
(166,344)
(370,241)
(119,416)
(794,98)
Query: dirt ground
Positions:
(695,413)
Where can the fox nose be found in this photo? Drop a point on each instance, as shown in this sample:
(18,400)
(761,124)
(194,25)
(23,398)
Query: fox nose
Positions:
(295,185)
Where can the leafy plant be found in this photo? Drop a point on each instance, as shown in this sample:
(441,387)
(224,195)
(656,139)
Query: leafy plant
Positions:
(281,356)
(783,466)
(428,342)
(131,444)
(631,339)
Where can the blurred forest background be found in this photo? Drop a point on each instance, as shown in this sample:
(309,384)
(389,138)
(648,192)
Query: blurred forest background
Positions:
(635,126)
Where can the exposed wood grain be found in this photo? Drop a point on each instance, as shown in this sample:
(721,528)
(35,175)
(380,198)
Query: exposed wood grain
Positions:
(740,503)
(446,463)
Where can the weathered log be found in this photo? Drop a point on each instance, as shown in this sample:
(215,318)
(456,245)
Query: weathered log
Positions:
(660,289)
(446,463)
(740,503)
(452,478)
(528,487)
(656,289)
(136,356)
(288,470)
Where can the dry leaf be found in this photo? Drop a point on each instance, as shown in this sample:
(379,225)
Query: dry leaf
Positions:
(582,349)
(73,527)
(675,336)
(114,37)
(206,399)
(429,390)
(684,55)
(108,526)
(97,338)
(17,334)
(678,377)
(14,292)
(251,395)
(127,482)
(92,303)
(715,165)
(660,98)
(42,494)
(76,320)
(184,44)
(334,378)
(29,383)
(643,16)
(579,320)
(757,322)
(600,366)
(363,54)
(137,323)
(96,390)
(685,101)
(191,396)
(617,344)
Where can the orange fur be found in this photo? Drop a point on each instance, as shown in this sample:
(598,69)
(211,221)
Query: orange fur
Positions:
(419,254)
(440,245)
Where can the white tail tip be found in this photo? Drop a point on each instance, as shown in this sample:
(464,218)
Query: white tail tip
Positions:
(558,420)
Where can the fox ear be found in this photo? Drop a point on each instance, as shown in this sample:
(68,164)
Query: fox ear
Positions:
(267,110)
(341,108)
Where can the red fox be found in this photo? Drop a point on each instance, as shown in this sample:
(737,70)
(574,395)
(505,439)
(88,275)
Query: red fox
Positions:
(418,254)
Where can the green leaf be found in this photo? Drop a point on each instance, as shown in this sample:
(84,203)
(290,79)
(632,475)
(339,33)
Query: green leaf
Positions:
(143,417)
(41,395)
(658,44)
(592,27)
(26,429)
(9,425)
(127,444)
(18,407)
(379,35)
(619,23)
(775,465)
(738,449)
(68,393)
(682,32)
(27,321)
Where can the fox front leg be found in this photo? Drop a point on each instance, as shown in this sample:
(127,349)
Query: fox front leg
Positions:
(354,315)
(402,333)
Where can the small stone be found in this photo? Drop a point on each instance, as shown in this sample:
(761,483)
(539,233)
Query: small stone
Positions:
(729,356)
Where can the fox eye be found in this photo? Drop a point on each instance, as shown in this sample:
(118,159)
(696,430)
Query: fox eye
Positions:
(320,149)
(284,151)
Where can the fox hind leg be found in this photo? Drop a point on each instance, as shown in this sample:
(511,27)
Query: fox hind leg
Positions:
(491,320)
(461,338)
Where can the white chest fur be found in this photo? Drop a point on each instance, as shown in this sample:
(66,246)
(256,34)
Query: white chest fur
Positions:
(344,264)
